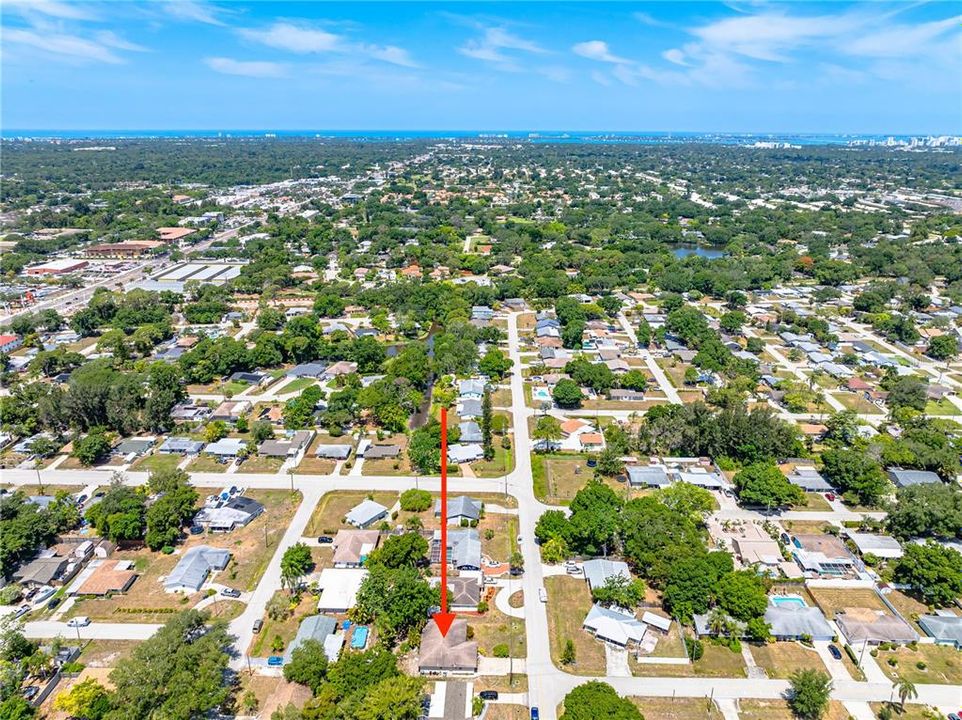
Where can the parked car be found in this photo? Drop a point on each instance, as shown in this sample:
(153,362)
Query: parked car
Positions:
(258,624)
(54,602)
(325,540)
(535,715)
(30,692)
(81,499)
(488,694)
(516,572)
(542,595)
(954,716)
(21,611)
(78,622)
(836,653)
(230,592)
(275,661)
(45,592)
(830,497)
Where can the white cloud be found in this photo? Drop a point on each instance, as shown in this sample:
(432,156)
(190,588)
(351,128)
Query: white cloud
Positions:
(51,8)
(391,54)
(193,10)
(675,56)
(900,41)
(112,40)
(493,42)
(69,47)
(598,50)
(246,68)
(294,38)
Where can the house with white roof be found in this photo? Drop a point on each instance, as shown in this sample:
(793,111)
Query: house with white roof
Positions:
(615,626)
(366,514)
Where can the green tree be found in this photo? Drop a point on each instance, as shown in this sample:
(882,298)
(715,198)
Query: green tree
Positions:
(395,599)
(930,510)
(906,691)
(424,449)
(932,571)
(170,512)
(568,655)
(414,500)
(295,564)
(595,699)
(394,698)
(809,693)
(215,430)
(308,665)
(742,594)
(857,475)
(92,448)
(691,500)
(494,364)
(567,394)
(179,672)
(943,347)
(87,699)
(548,431)
(620,591)
(399,551)
(763,484)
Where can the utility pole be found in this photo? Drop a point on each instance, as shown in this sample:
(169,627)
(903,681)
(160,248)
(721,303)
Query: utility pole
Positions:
(39,480)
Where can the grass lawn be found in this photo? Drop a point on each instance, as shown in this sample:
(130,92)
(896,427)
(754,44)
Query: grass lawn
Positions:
(328,516)
(501,397)
(517,599)
(943,665)
(857,403)
(718,661)
(941,407)
(912,711)
(908,607)
(493,629)
(226,609)
(296,385)
(501,464)
(105,653)
(157,461)
(207,463)
(502,683)
(311,465)
(253,546)
(657,708)
(814,502)
(751,709)
(285,629)
(503,711)
(558,477)
(780,659)
(234,387)
(504,538)
(568,603)
(258,464)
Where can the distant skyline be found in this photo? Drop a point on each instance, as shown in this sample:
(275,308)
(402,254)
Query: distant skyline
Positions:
(804,67)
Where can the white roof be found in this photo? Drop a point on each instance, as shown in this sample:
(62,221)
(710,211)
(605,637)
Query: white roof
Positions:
(882,546)
(614,625)
(339,588)
(657,621)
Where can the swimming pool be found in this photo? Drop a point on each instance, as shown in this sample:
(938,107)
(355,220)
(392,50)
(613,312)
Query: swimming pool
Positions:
(787,601)
(541,394)
(359,639)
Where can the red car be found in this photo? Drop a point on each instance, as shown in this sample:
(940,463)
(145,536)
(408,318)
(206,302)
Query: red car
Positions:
(830,497)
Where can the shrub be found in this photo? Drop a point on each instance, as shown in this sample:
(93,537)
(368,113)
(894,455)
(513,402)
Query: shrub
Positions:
(568,652)
(500,650)
(470,632)
(482,607)
(167,549)
(892,661)
(921,665)
(415,500)
(695,648)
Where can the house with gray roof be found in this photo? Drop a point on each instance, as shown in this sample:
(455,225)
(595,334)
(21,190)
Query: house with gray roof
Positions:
(944,629)
(180,446)
(599,570)
(469,408)
(333,452)
(470,432)
(288,446)
(648,476)
(134,446)
(614,626)
(194,567)
(308,370)
(809,479)
(460,508)
(903,478)
(471,389)
(366,514)
(793,622)
(315,627)
(464,549)
(377,452)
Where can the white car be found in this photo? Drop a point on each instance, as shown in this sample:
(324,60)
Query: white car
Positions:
(79,621)
(542,595)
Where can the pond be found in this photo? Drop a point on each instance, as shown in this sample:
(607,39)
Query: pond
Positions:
(709,252)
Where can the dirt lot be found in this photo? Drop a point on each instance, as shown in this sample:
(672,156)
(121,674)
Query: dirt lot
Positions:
(568,603)
(493,628)
(656,708)
(943,665)
(504,532)
(261,645)
(832,600)
(503,711)
(780,659)
(328,516)
(779,710)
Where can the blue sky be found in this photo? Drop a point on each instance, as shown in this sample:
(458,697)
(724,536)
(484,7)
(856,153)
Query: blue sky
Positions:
(685,66)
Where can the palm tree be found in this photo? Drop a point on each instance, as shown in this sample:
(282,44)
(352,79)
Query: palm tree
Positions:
(906,690)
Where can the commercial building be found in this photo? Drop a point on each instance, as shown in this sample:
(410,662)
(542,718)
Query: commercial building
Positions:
(57,267)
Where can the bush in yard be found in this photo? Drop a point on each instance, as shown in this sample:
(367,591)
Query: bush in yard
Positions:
(568,652)
(500,651)
(696,648)
(414,500)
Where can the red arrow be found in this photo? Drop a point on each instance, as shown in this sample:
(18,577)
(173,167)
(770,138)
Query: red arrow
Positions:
(444,618)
